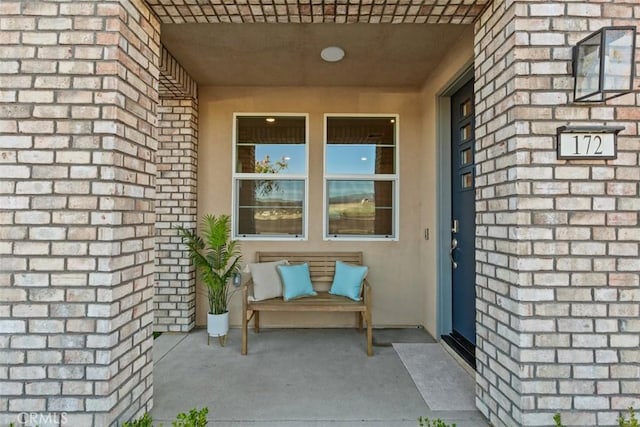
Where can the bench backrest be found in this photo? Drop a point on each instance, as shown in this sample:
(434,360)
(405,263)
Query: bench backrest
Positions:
(322,265)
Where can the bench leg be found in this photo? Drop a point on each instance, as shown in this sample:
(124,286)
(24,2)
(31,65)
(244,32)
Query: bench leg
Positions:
(256,322)
(369,335)
(359,316)
(245,321)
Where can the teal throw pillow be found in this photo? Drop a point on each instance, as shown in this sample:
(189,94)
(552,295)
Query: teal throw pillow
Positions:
(296,282)
(347,281)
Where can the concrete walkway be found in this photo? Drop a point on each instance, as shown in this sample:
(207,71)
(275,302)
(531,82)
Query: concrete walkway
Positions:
(293,377)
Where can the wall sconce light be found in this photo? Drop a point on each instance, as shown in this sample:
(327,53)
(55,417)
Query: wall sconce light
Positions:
(603,64)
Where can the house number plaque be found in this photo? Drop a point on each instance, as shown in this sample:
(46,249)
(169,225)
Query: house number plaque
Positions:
(588,142)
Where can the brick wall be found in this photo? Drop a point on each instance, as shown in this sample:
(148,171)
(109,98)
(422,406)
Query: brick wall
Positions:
(175,82)
(78,96)
(558,241)
(176,194)
(497,394)
(329,11)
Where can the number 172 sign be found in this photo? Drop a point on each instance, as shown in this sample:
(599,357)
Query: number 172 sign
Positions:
(587,143)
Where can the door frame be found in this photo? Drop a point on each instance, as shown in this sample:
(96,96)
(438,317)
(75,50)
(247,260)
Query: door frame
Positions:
(444,276)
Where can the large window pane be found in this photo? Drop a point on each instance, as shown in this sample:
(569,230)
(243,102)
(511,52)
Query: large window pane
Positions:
(271,144)
(360,207)
(361,176)
(360,145)
(270,176)
(270,207)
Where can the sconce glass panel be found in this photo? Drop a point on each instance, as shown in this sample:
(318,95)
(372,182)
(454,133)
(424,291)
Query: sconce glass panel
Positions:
(618,59)
(603,64)
(588,68)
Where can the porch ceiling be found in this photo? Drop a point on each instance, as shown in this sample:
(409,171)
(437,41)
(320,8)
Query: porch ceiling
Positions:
(267,55)
(289,54)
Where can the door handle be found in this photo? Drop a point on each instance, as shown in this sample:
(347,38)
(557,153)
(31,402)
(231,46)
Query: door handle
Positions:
(454,245)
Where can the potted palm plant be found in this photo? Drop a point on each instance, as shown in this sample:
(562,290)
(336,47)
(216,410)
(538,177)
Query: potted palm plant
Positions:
(217,258)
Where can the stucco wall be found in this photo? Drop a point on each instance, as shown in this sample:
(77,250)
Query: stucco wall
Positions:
(397,273)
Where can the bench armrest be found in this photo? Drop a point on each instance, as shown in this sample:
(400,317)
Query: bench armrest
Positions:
(247,289)
(366,292)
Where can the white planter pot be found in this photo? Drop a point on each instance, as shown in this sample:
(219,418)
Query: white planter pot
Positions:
(218,326)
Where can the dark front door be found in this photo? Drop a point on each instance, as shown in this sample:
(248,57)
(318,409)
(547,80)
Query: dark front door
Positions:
(462,250)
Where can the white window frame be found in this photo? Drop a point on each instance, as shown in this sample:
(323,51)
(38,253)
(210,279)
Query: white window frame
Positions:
(239,176)
(394,178)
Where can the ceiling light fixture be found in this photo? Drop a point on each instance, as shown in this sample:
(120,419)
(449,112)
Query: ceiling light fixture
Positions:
(332,54)
(270,119)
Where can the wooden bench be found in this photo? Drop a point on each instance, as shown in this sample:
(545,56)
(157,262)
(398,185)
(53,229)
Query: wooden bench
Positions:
(321,268)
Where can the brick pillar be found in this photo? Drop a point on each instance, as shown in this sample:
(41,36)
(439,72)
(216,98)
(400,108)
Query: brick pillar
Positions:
(558,241)
(175,298)
(176,194)
(78,96)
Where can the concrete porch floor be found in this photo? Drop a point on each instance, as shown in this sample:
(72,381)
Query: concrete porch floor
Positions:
(293,377)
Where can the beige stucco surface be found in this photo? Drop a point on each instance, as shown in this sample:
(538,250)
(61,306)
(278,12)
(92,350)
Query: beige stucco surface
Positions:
(402,272)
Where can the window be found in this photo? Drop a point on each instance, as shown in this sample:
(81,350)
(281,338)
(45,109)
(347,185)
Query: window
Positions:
(361,178)
(270,176)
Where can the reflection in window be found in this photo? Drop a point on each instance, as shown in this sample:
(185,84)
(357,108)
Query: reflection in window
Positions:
(265,147)
(465,132)
(466,107)
(277,146)
(465,157)
(467,180)
(270,207)
(361,178)
(360,145)
(360,208)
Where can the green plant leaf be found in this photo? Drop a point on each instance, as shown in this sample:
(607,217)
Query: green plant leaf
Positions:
(426,422)
(193,418)
(143,421)
(557,418)
(631,422)
(215,256)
